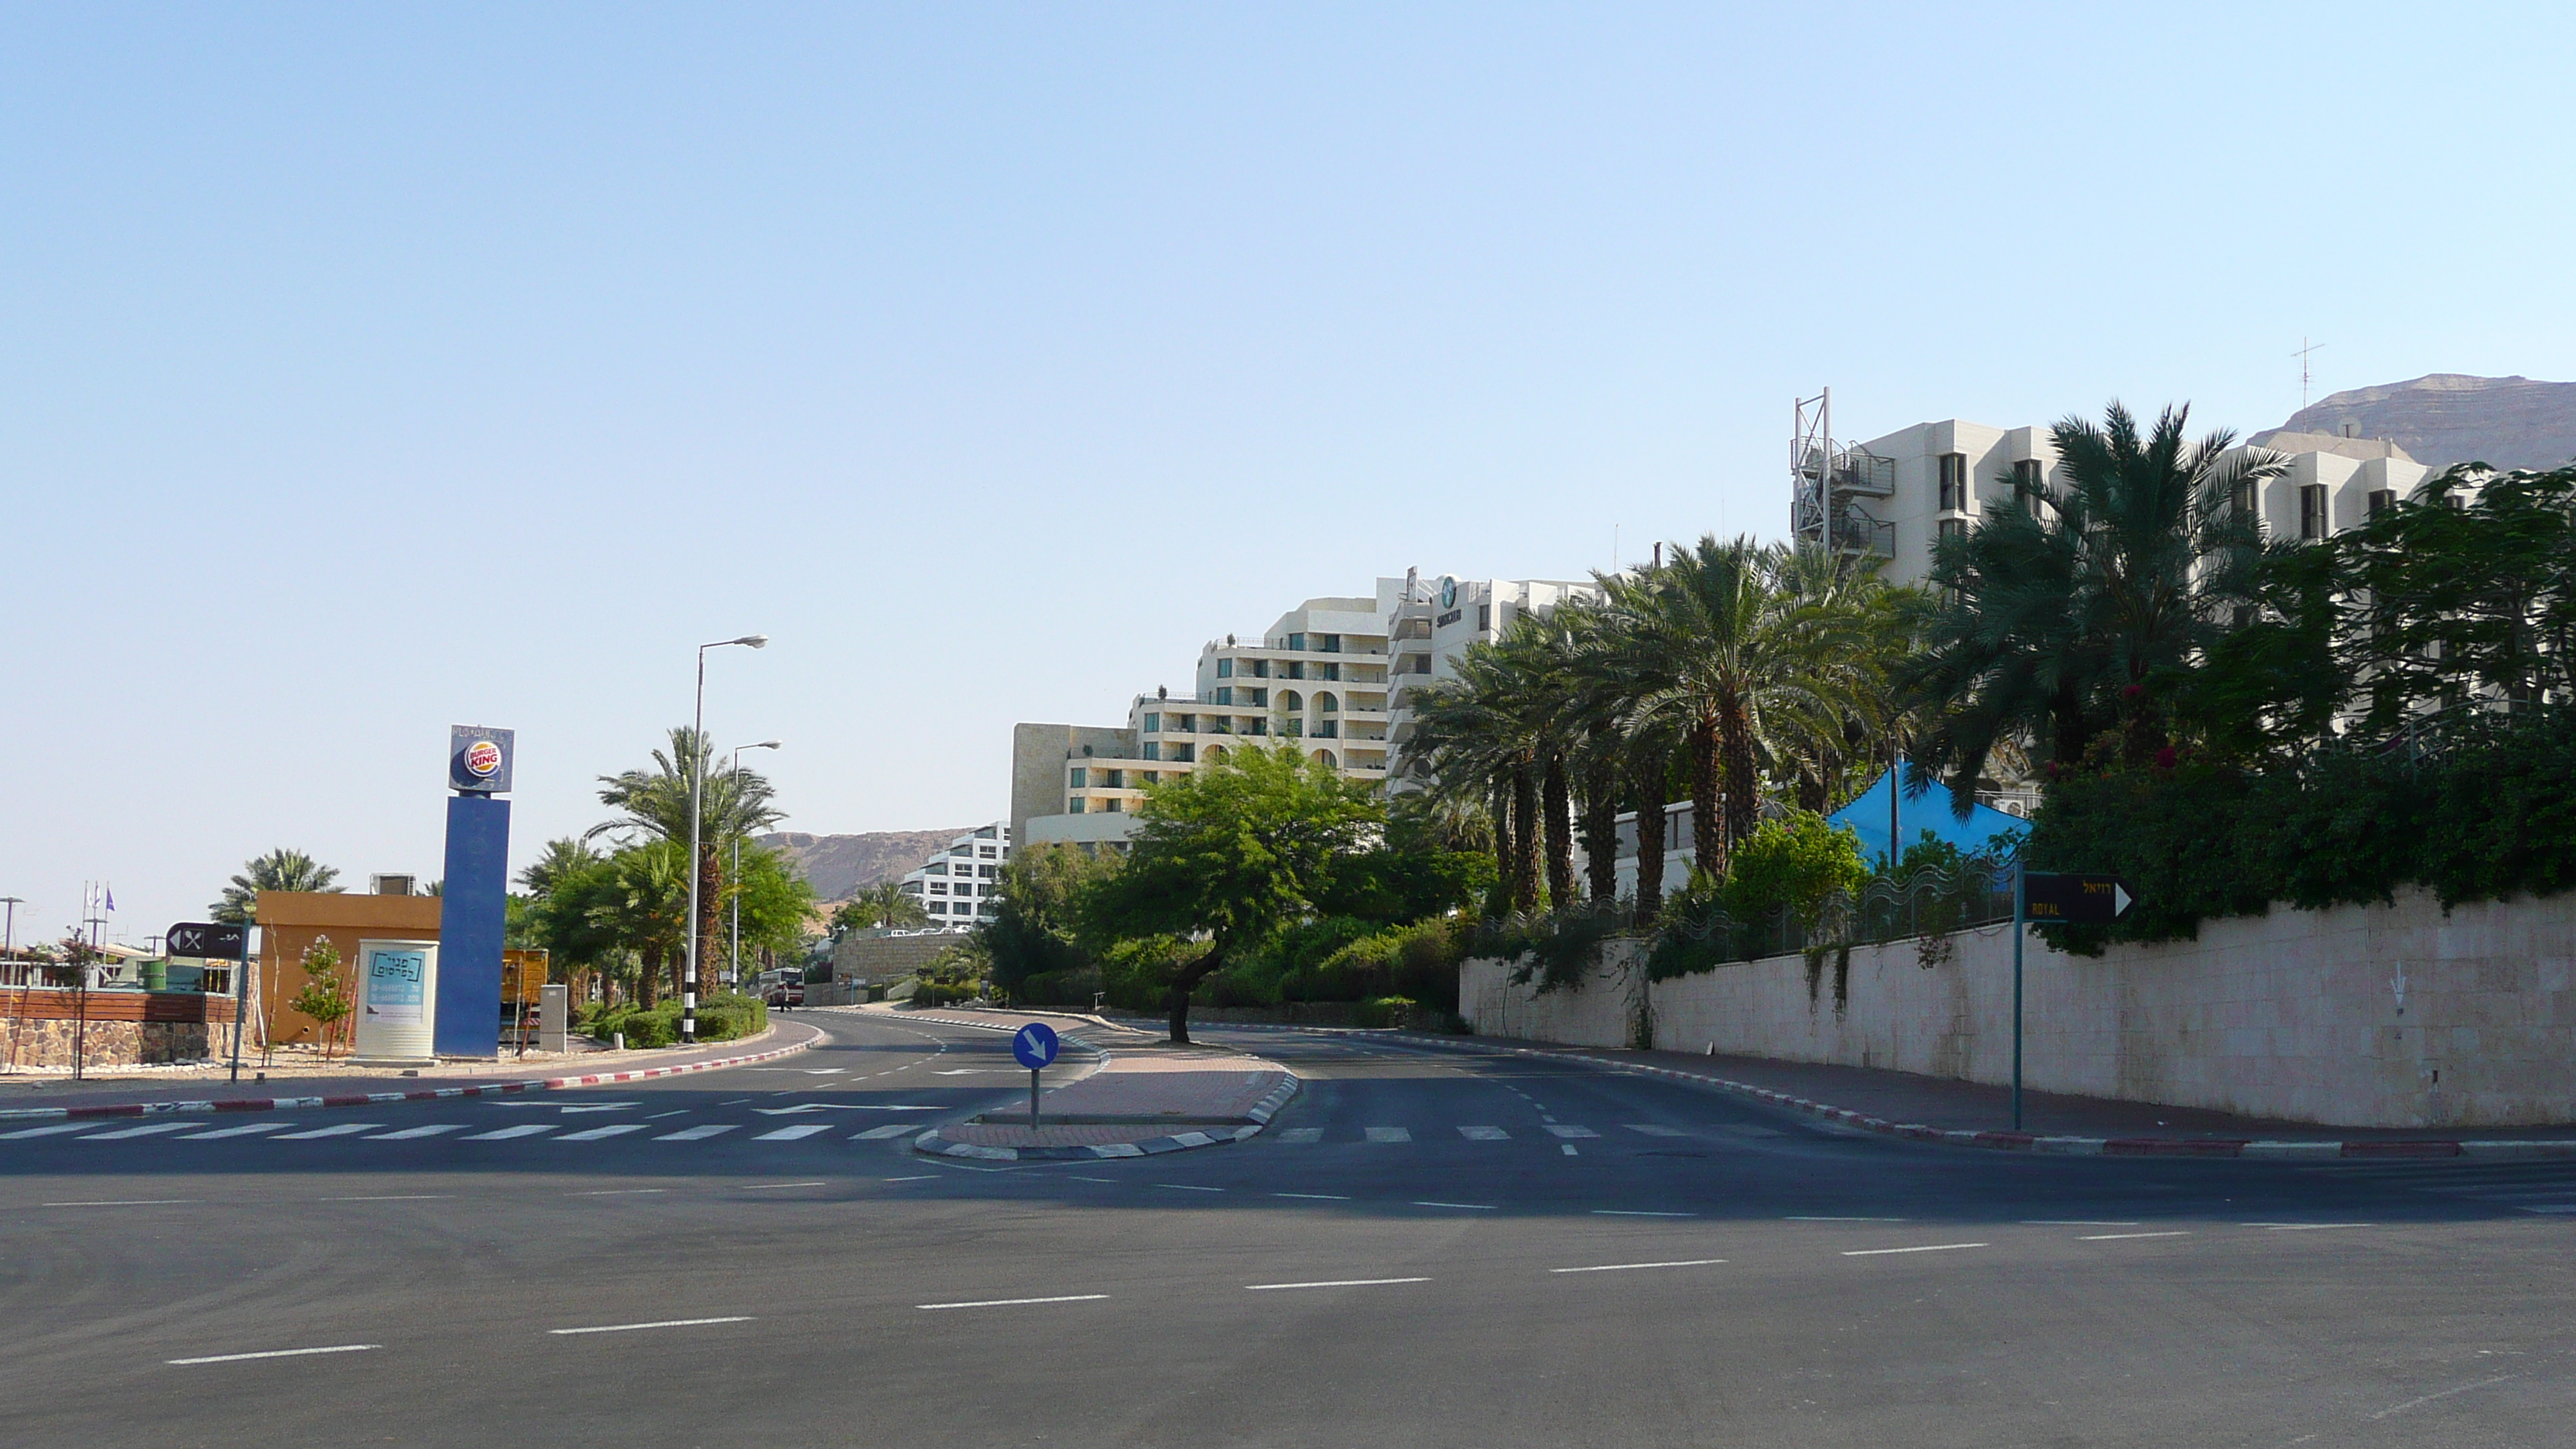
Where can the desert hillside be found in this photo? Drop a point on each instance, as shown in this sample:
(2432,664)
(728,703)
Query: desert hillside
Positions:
(2449,417)
(838,866)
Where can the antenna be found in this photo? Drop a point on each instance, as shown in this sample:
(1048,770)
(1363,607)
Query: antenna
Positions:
(2305,347)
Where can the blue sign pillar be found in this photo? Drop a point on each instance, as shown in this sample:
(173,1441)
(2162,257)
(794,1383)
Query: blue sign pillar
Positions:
(474,903)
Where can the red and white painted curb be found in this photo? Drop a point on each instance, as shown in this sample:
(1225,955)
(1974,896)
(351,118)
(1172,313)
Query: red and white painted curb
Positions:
(434,1094)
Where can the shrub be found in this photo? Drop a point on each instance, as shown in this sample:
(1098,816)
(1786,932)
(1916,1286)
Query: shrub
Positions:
(1795,864)
(1384,1011)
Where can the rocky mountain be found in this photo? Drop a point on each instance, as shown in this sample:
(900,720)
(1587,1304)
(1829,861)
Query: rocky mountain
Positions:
(839,866)
(2448,417)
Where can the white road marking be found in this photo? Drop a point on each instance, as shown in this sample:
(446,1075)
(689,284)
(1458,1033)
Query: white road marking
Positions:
(1815,1219)
(1484,1134)
(279,1353)
(2395,1409)
(1568,1149)
(504,1134)
(1334,1283)
(147,1130)
(1018,1302)
(658,1323)
(1314,1196)
(245,1130)
(336,1129)
(1302,1134)
(1389,1134)
(398,1197)
(658,1116)
(1628,1267)
(2124,1237)
(594,1134)
(1636,1213)
(1185,1187)
(1564,1131)
(1654,1130)
(700,1133)
(1078,1177)
(924,1177)
(47,1131)
(2303,1227)
(1482,1207)
(2077,1223)
(128,1202)
(760,1186)
(879,1134)
(790,1134)
(435,1129)
(1924,1248)
(618,1192)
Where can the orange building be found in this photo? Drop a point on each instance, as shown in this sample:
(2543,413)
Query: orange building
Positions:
(291,921)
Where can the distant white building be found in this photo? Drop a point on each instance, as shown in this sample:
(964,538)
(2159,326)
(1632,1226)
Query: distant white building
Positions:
(956,886)
(1895,495)
(1332,674)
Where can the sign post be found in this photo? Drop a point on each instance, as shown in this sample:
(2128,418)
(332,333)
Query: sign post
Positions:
(1035,1045)
(210,941)
(2058,898)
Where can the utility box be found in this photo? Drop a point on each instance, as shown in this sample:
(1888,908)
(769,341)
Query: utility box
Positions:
(554,1018)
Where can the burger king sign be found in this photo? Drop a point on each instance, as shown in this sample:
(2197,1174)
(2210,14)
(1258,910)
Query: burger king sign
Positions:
(478,759)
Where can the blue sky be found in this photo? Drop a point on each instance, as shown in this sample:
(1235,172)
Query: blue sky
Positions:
(368,369)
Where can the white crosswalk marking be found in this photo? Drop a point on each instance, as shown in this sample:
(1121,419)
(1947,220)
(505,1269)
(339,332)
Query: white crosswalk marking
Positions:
(618,1129)
(48,1131)
(699,1134)
(336,1129)
(1302,1134)
(790,1134)
(149,1130)
(1389,1134)
(891,1129)
(1652,1130)
(247,1129)
(1562,1130)
(434,1129)
(504,1134)
(1484,1134)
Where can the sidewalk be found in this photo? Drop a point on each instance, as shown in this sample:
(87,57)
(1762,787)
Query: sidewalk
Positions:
(339,1084)
(1147,1097)
(1974,1114)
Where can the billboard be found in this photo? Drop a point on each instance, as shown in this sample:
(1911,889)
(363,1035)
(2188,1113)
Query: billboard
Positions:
(479,758)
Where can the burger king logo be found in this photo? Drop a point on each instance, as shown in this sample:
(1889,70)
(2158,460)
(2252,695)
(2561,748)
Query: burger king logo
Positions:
(482,758)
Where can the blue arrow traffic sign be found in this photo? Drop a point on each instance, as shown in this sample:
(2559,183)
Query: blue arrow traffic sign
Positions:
(1034,1044)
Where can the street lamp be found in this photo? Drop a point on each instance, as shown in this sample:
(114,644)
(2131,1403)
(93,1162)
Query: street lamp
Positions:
(733,968)
(9,934)
(697,794)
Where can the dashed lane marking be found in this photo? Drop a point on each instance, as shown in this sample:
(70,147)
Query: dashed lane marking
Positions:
(434,1129)
(1632,1267)
(595,1134)
(2124,1237)
(505,1134)
(152,1129)
(1919,1248)
(1484,1134)
(46,1131)
(128,1202)
(1017,1302)
(1636,1213)
(1331,1283)
(700,1133)
(879,1134)
(657,1323)
(248,1129)
(1314,1196)
(1302,1134)
(1389,1134)
(1565,1131)
(790,1134)
(1654,1130)
(336,1129)
(1479,1207)
(278,1353)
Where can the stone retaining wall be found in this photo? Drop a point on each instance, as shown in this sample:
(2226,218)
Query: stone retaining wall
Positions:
(2364,1016)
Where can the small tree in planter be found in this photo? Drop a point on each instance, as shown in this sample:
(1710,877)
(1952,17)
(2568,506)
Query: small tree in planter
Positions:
(321,998)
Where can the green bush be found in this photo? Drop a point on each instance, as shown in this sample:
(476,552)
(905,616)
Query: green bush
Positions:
(1384,1011)
(1562,946)
(1793,864)
(726,1016)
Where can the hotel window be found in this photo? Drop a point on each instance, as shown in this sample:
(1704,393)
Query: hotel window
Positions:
(1953,528)
(937,908)
(1079,775)
(1153,750)
(1153,724)
(1112,805)
(2312,511)
(1329,644)
(1297,642)
(2027,484)
(2382,500)
(1073,806)
(1954,482)
(1224,694)
(1224,670)
(939,888)
(1257,698)
(988,852)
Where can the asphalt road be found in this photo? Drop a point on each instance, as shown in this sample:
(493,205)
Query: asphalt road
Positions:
(1427,1248)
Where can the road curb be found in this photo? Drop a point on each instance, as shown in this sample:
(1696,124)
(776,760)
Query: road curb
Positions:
(374,1099)
(2326,1150)
(930,1143)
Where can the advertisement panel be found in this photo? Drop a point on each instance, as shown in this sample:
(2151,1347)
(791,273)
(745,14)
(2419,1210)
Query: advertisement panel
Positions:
(397,996)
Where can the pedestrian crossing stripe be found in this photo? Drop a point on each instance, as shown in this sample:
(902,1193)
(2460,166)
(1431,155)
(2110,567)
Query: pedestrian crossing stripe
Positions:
(700,1133)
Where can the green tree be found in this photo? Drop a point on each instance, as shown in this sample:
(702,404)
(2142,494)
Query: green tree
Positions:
(655,804)
(279,870)
(642,905)
(1795,863)
(321,997)
(777,904)
(1038,922)
(1226,855)
(885,905)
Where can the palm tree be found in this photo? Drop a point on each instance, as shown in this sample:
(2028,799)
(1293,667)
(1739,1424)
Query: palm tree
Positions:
(645,907)
(885,904)
(2071,619)
(279,870)
(732,803)
(1717,641)
(561,860)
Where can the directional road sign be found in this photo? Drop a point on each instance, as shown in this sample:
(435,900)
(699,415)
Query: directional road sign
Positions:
(208,941)
(1034,1044)
(2076,900)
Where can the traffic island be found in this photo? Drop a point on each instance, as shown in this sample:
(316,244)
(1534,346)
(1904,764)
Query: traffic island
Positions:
(1141,1103)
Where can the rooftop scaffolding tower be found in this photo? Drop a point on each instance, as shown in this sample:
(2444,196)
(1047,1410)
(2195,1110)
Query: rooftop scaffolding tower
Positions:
(1826,484)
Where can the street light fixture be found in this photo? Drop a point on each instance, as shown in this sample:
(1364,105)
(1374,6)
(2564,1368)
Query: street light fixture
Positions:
(733,967)
(697,802)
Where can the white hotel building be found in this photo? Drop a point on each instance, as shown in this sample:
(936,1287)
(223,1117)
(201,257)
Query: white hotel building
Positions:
(956,886)
(1331,674)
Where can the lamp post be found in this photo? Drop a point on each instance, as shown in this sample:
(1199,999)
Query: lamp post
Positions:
(733,967)
(9,933)
(697,801)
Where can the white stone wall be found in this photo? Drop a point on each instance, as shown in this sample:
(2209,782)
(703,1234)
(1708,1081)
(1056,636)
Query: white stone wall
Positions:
(2296,1014)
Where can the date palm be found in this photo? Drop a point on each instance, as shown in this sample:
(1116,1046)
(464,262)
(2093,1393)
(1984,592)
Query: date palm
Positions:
(732,804)
(279,870)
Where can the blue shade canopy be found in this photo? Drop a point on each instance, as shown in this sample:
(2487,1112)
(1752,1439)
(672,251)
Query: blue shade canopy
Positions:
(1866,817)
